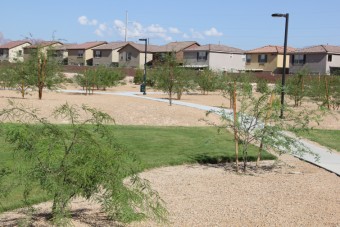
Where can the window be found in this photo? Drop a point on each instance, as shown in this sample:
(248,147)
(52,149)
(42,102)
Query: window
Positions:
(262,58)
(298,59)
(128,56)
(329,58)
(121,57)
(202,56)
(248,58)
(20,53)
(80,53)
(98,54)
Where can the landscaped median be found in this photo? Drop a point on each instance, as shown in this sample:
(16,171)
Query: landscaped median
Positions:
(154,146)
(327,138)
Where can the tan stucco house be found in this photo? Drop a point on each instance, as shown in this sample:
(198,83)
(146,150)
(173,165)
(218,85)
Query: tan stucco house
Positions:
(320,59)
(176,48)
(44,46)
(82,54)
(13,51)
(132,55)
(267,59)
(215,57)
(107,54)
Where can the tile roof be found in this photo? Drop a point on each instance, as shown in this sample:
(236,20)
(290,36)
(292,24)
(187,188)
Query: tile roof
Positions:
(216,48)
(176,46)
(141,47)
(87,45)
(13,44)
(269,49)
(111,46)
(43,44)
(319,49)
(64,46)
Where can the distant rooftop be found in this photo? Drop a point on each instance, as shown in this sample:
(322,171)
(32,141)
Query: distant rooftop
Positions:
(43,44)
(87,45)
(14,44)
(111,46)
(216,48)
(176,46)
(319,49)
(270,49)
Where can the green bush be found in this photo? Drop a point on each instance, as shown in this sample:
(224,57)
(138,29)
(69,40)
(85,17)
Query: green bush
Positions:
(262,86)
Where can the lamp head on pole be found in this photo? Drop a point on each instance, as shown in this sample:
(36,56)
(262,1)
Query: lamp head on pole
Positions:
(279,15)
(143,40)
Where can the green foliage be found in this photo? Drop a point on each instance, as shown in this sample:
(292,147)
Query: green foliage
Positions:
(296,88)
(262,86)
(172,79)
(258,122)
(100,77)
(163,146)
(207,80)
(41,69)
(82,159)
(139,77)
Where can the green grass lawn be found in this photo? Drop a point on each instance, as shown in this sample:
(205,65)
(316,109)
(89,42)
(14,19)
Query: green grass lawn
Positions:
(155,147)
(327,138)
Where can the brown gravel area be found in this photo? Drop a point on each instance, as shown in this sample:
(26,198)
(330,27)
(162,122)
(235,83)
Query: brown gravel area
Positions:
(289,192)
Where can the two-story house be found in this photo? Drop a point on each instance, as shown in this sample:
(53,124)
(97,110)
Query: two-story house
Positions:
(107,54)
(267,59)
(132,55)
(320,59)
(82,54)
(215,57)
(13,51)
(174,48)
(43,46)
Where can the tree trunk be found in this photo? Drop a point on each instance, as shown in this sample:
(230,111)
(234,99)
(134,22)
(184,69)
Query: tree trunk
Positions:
(40,91)
(327,92)
(270,103)
(22,89)
(235,127)
(179,95)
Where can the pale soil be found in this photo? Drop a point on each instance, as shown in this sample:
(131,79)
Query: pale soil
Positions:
(290,193)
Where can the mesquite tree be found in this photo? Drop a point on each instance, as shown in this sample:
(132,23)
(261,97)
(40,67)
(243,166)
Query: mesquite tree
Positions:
(82,158)
(43,69)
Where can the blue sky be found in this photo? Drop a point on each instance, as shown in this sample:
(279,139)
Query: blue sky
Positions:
(243,24)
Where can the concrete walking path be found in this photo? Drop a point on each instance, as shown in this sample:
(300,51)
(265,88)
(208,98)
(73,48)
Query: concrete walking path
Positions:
(329,160)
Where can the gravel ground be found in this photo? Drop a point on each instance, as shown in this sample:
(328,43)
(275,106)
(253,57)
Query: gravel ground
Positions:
(289,192)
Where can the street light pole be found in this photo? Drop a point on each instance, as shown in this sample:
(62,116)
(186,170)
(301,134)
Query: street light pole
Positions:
(284,60)
(143,86)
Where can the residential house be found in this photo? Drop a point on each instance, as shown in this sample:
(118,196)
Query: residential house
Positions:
(132,55)
(176,48)
(61,53)
(44,46)
(320,59)
(107,54)
(215,57)
(82,54)
(267,59)
(13,51)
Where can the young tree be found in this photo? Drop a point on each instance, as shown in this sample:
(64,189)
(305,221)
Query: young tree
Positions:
(79,159)
(258,122)
(207,81)
(43,69)
(172,79)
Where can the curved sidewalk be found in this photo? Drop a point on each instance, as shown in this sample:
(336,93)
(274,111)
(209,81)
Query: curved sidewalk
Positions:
(329,160)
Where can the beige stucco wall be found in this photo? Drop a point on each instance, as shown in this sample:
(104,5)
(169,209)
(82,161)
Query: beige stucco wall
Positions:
(73,58)
(226,62)
(137,58)
(14,56)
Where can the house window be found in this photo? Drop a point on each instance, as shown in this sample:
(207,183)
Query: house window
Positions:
(262,58)
(20,53)
(299,59)
(80,53)
(128,56)
(202,56)
(98,54)
(121,57)
(329,58)
(248,58)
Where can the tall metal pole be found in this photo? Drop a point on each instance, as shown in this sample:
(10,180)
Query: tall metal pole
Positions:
(284,60)
(144,78)
(126,25)
(284,67)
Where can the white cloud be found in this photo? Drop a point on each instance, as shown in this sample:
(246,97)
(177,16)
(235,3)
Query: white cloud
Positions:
(102,27)
(99,32)
(186,36)
(155,28)
(213,32)
(174,30)
(83,20)
(196,34)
